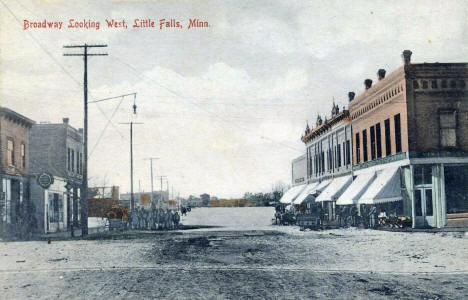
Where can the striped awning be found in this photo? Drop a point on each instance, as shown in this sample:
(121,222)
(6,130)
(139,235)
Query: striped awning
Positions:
(356,189)
(292,193)
(385,188)
(309,190)
(334,189)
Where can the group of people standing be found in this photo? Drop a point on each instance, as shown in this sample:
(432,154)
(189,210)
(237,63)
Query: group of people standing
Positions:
(154,219)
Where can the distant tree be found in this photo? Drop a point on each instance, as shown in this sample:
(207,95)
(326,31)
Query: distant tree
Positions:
(205,198)
(278,190)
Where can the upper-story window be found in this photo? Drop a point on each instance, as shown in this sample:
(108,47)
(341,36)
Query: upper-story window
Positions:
(338,155)
(68,159)
(397,121)
(378,135)
(358,148)
(23,155)
(72,160)
(372,142)
(448,127)
(388,143)
(10,152)
(81,163)
(348,152)
(364,145)
(78,162)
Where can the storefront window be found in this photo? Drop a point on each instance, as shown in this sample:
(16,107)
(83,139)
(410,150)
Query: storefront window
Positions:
(391,209)
(417,203)
(429,210)
(55,207)
(456,189)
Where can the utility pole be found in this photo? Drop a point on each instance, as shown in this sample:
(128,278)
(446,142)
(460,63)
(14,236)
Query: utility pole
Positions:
(161,191)
(151,166)
(84,184)
(132,197)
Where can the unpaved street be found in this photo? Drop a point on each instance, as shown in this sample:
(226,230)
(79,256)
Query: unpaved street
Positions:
(229,263)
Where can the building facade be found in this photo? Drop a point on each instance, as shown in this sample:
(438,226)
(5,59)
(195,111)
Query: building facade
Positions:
(329,167)
(57,150)
(410,137)
(299,170)
(14,170)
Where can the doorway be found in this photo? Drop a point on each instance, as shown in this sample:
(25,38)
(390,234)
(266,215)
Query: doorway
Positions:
(423,205)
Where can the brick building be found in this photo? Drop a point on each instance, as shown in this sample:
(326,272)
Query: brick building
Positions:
(56,149)
(410,137)
(14,164)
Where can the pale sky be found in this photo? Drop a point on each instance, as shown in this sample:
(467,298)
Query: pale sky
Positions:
(223,107)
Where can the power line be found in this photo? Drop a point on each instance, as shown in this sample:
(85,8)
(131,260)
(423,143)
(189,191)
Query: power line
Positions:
(57,62)
(105,127)
(113,113)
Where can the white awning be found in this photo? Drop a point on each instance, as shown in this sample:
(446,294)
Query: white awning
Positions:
(385,188)
(321,186)
(334,189)
(292,193)
(356,189)
(309,190)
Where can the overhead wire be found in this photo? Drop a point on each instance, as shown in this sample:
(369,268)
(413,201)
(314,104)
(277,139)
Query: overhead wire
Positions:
(58,64)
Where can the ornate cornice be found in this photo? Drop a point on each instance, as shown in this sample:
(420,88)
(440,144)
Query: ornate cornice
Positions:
(326,126)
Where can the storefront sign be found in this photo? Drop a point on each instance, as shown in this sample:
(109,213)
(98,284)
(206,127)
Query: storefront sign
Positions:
(45,180)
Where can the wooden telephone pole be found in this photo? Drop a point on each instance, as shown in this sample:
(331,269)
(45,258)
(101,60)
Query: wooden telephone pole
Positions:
(84,184)
(151,166)
(132,197)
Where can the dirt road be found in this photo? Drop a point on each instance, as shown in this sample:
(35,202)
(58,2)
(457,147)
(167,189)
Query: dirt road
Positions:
(233,265)
(245,259)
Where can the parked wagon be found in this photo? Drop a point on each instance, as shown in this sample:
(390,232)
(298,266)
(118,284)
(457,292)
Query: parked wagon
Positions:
(308,221)
(116,224)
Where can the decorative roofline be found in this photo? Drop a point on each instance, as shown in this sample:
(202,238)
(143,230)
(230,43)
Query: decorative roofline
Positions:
(343,116)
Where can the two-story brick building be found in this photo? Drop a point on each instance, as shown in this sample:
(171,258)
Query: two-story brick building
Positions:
(57,150)
(410,137)
(14,164)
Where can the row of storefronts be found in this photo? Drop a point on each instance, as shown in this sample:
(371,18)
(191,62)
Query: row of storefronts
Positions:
(400,150)
(40,173)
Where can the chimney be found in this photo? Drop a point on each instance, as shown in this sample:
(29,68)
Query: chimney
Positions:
(381,74)
(65,120)
(368,83)
(351,96)
(407,57)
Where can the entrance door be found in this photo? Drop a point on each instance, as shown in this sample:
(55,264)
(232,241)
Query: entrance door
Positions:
(424,207)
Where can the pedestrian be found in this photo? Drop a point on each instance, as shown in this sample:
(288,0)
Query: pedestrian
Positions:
(372,216)
(278,217)
(176,220)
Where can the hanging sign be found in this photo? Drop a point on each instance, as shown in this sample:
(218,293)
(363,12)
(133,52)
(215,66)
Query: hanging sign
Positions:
(45,180)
